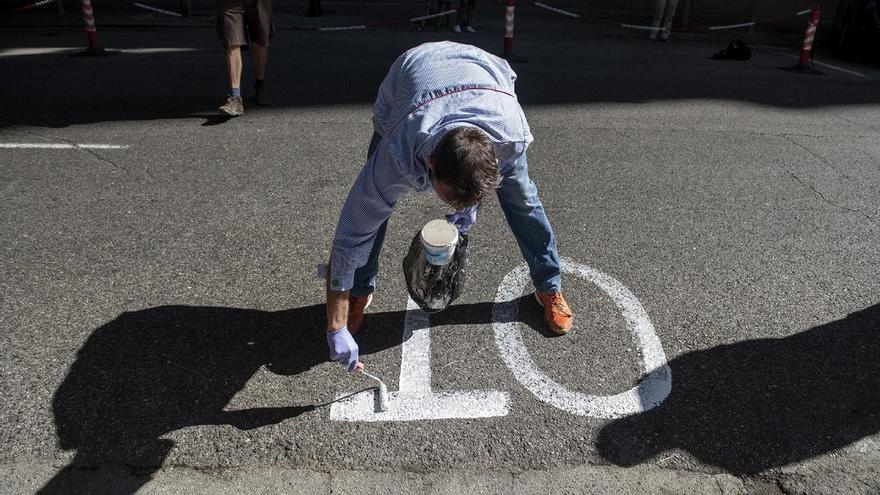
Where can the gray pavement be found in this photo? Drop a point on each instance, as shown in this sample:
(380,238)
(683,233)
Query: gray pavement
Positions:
(163,327)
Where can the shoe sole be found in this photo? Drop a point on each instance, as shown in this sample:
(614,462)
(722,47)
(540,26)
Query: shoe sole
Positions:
(229,114)
(553,328)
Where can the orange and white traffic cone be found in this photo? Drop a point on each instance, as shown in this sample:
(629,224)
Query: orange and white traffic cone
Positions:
(803,66)
(508,33)
(92,32)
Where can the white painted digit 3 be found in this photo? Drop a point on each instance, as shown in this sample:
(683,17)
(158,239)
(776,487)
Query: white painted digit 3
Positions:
(416,401)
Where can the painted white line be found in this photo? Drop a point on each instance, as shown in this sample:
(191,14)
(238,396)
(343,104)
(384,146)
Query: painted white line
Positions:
(150,51)
(23,52)
(343,28)
(554,9)
(63,146)
(653,388)
(422,18)
(160,11)
(643,28)
(731,26)
(823,64)
(415,400)
(807,11)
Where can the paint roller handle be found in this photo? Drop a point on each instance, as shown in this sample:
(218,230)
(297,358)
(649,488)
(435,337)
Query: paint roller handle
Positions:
(463,219)
(343,349)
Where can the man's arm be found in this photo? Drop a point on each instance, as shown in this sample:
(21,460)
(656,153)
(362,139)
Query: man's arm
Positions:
(369,204)
(343,348)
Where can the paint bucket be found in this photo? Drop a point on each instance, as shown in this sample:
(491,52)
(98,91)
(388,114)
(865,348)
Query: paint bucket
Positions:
(439,239)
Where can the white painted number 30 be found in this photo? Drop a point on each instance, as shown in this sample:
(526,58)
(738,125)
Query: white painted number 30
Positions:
(416,401)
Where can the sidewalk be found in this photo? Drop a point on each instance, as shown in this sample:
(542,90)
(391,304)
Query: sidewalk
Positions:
(28,478)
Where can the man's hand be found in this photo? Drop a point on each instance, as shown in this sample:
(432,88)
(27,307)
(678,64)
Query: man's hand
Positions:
(463,219)
(343,349)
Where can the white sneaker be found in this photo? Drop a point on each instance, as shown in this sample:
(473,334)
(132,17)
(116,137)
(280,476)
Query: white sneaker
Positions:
(456,28)
(470,29)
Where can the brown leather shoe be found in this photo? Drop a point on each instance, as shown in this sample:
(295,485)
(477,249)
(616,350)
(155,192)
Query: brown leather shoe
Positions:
(356,307)
(233,107)
(557,314)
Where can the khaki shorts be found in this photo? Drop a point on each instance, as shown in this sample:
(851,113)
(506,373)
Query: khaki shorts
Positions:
(232,15)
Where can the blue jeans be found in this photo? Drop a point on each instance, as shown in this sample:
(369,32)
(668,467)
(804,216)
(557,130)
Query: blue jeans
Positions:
(519,200)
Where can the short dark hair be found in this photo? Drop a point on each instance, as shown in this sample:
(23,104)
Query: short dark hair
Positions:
(465,160)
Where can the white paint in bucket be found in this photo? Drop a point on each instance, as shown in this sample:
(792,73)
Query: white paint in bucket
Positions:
(439,239)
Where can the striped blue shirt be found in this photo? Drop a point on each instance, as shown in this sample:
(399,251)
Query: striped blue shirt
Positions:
(428,91)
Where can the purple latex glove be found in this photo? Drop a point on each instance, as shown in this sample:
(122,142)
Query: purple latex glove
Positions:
(463,219)
(343,348)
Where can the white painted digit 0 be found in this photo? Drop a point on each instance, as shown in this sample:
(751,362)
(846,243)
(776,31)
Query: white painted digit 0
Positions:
(655,385)
(415,400)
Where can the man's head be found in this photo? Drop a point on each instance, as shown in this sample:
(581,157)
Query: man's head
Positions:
(464,168)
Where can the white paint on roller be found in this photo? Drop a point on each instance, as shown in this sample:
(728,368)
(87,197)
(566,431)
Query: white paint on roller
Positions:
(415,400)
(654,386)
(383,391)
(64,146)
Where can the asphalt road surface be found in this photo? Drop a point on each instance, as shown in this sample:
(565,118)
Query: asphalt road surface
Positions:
(160,308)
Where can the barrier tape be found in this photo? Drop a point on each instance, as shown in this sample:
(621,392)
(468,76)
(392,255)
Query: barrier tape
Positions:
(554,9)
(319,29)
(154,9)
(731,26)
(343,28)
(422,18)
(34,5)
(656,28)
(642,28)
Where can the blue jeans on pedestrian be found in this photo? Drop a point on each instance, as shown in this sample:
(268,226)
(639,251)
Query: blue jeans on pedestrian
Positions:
(519,200)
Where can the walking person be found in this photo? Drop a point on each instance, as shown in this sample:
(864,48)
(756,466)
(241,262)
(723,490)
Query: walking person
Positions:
(664,12)
(464,15)
(233,17)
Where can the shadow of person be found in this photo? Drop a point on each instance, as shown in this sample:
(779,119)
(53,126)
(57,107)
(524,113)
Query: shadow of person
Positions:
(150,372)
(153,371)
(760,404)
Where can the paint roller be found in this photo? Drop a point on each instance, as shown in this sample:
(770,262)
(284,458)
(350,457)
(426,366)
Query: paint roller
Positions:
(383,391)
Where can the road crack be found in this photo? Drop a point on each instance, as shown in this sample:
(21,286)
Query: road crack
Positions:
(105,160)
(818,192)
(815,155)
(821,195)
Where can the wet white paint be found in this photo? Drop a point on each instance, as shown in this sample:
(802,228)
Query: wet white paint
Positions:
(415,400)
(652,389)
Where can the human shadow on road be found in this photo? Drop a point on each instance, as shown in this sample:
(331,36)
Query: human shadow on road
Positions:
(760,404)
(157,370)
